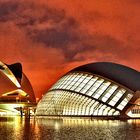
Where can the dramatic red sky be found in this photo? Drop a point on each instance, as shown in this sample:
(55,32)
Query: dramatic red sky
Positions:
(50,37)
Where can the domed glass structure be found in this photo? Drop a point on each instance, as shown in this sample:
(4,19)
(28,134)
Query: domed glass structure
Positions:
(96,89)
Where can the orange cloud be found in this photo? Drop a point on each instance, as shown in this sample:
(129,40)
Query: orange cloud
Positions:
(51,37)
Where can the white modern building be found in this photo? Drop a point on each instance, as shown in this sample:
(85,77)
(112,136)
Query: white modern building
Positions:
(96,89)
(16,92)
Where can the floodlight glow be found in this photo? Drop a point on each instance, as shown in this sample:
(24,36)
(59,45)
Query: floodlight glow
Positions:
(19,91)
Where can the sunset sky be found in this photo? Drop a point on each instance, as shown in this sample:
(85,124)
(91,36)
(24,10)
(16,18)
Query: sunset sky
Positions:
(50,37)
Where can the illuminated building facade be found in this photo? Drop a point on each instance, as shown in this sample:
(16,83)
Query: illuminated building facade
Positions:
(15,89)
(96,89)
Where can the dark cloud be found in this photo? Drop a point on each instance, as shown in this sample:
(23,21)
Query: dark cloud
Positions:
(55,37)
(53,28)
(103,47)
(59,35)
(7,9)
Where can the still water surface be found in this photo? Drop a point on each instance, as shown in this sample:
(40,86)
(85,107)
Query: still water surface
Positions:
(16,128)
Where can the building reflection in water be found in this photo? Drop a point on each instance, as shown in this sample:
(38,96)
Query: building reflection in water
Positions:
(17,128)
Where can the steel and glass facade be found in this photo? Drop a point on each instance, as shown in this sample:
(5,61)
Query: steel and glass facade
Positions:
(96,89)
(84,94)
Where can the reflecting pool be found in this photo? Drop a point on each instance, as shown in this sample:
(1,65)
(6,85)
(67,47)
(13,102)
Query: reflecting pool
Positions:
(17,128)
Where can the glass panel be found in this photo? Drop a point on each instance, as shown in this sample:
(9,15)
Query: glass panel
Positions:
(116,113)
(93,106)
(109,92)
(89,103)
(112,103)
(96,109)
(100,112)
(111,112)
(101,89)
(106,110)
(125,101)
(116,98)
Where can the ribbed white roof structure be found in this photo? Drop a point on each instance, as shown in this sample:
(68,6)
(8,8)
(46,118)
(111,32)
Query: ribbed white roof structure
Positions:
(96,89)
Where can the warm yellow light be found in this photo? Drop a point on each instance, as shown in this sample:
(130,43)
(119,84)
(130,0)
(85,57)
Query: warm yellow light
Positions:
(57,126)
(130,114)
(19,91)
